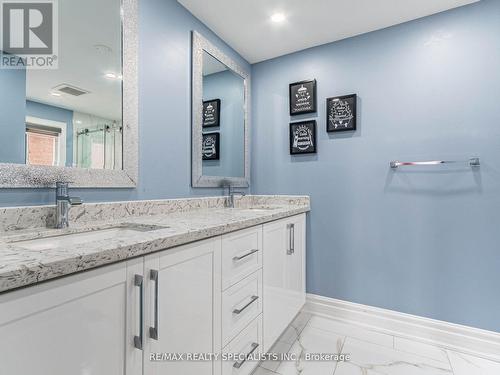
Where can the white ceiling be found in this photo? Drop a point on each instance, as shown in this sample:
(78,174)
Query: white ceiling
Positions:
(82,25)
(246,26)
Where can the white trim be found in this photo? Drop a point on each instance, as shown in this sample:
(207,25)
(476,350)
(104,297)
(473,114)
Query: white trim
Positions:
(61,155)
(469,340)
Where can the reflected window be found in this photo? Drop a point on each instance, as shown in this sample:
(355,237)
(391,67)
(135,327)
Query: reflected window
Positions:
(42,147)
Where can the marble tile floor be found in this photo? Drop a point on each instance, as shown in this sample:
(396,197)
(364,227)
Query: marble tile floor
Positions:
(371,353)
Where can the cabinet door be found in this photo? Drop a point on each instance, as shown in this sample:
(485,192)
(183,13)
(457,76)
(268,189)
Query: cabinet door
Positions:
(80,324)
(296,263)
(183,304)
(284,275)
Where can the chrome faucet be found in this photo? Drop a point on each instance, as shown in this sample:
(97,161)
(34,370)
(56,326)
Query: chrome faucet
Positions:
(63,204)
(230,196)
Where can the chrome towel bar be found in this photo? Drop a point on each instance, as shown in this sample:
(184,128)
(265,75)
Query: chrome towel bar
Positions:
(473,162)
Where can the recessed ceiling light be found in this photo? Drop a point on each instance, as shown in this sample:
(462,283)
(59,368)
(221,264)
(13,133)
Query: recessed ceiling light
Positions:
(278,17)
(55,94)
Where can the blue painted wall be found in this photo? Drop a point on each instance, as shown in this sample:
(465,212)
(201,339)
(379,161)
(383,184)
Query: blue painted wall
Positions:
(229,88)
(421,241)
(50,112)
(164,110)
(12,115)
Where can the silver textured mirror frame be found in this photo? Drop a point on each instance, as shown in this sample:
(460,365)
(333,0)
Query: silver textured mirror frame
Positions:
(27,176)
(199,45)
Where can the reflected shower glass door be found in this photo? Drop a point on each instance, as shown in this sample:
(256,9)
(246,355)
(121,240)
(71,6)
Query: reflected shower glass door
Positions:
(100,147)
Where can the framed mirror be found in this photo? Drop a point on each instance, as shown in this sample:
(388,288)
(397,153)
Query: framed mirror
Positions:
(220,118)
(77,121)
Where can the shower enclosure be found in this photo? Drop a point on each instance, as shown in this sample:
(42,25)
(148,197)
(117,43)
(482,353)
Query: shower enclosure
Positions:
(99,147)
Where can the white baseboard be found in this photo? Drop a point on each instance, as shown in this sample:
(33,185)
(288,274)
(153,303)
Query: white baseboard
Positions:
(478,342)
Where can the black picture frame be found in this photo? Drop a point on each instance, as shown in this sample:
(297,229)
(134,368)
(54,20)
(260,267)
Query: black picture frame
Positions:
(211,113)
(211,146)
(300,134)
(341,113)
(305,102)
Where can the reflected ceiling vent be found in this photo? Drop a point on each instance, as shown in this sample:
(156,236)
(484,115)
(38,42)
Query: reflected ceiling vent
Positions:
(70,90)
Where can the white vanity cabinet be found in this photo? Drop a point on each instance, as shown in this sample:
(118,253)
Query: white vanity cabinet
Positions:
(231,293)
(82,324)
(284,274)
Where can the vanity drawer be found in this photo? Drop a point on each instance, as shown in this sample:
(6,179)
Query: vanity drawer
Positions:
(241,304)
(249,340)
(241,255)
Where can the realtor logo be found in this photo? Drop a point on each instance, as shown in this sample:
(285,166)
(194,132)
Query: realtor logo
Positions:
(29,34)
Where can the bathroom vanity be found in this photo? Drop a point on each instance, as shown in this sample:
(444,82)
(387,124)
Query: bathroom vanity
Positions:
(178,276)
(127,282)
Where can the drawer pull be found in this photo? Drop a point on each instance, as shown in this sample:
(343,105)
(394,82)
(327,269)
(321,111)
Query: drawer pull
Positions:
(153,331)
(240,363)
(138,282)
(252,300)
(236,259)
(291,239)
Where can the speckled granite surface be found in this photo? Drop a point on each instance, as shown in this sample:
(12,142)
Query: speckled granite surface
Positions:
(182,221)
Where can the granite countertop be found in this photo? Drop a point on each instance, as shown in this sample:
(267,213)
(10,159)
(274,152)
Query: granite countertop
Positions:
(21,266)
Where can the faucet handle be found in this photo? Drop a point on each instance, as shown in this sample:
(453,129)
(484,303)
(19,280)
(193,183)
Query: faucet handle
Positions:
(75,201)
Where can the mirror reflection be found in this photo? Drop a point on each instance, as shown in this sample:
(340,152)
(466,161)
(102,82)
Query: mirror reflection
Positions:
(70,116)
(223,120)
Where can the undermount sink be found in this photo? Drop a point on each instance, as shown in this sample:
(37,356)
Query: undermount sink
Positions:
(84,236)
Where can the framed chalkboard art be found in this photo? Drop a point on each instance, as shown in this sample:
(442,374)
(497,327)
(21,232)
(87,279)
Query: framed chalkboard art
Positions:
(211,146)
(303,137)
(302,97)
(341,113)
(211,113)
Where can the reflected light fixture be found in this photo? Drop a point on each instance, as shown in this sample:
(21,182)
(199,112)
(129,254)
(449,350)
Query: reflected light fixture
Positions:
(113,76)
(103,49)
(278,17)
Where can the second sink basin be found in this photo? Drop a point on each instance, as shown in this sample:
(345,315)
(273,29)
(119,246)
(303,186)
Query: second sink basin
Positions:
(71,239)
(262,209)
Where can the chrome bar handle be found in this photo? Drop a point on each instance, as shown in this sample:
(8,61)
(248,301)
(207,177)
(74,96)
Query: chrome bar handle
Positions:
(153,331)
(138,281)
(236,259)
(252,300)
(240,363)
(291,239)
